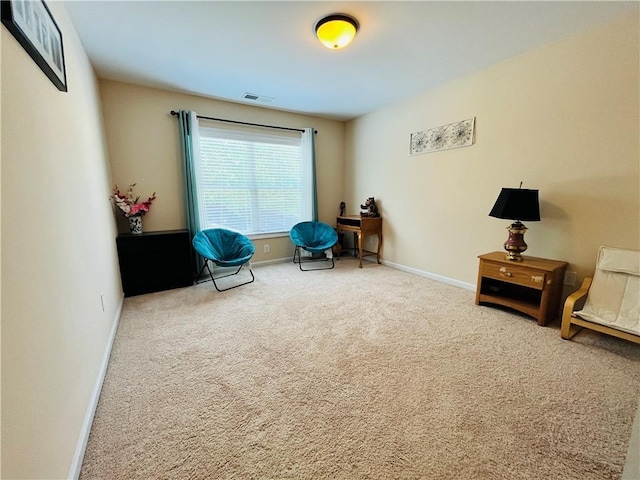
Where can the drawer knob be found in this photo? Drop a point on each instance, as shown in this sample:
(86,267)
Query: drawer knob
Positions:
(503,270)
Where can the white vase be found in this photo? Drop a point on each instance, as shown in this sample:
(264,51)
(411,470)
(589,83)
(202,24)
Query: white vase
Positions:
(135,224)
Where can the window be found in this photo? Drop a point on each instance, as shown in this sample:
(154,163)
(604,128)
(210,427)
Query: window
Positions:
(254,183)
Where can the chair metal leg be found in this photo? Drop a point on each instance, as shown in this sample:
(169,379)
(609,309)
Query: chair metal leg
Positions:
(296,252)
(201,270)
(206,264)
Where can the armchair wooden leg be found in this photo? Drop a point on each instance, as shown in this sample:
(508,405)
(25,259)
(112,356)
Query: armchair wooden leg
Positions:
(567,330)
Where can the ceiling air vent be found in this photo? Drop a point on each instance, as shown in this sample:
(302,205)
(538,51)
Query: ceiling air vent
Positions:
(257,98)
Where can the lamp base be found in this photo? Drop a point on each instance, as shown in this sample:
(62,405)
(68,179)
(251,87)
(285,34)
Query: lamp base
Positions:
(515,244)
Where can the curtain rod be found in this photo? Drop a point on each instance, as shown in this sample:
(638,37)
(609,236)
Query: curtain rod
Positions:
(174,113)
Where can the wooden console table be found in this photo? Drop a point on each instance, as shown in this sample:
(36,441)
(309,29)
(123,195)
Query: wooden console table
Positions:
(361,226)
(532,286)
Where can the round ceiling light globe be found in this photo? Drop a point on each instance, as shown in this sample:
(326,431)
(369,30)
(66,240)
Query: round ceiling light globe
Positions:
(336,31)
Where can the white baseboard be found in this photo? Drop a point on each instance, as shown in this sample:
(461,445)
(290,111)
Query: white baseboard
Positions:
(432,276)
(271,262)
(415,271)
(76,464)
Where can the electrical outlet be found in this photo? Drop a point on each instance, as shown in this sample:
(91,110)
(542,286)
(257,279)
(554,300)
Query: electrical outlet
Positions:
(570,278)
(266,248)
(102,300)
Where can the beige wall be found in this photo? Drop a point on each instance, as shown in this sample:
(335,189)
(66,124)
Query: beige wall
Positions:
(562,119)
(144,149)
(58,256)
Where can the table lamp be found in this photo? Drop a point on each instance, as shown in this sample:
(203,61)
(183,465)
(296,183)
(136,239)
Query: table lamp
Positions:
(516,204)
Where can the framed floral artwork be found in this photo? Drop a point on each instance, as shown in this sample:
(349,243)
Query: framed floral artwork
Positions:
(32,24)
(454,135)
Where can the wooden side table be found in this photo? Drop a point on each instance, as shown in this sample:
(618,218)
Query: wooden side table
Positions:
(362,226)
(532,286)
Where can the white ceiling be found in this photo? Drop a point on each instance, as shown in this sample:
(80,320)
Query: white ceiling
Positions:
(225,49)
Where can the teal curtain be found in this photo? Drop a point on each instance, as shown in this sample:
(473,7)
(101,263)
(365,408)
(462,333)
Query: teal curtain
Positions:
(188,128)
(309,134)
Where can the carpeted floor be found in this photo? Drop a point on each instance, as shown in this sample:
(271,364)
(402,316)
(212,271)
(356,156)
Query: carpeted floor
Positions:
(355,373)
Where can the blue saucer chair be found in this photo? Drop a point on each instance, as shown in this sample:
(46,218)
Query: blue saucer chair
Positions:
(224,248)
(315,238)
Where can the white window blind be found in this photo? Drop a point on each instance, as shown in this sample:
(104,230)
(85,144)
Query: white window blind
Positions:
(254,183)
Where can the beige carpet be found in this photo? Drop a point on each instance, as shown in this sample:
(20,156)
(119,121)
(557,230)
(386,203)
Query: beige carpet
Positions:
(354,373)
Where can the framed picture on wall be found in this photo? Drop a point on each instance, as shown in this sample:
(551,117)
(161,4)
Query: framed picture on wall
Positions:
(454,135)
(32,24)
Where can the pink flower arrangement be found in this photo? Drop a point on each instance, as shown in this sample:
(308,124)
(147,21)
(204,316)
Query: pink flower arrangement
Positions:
(128,205)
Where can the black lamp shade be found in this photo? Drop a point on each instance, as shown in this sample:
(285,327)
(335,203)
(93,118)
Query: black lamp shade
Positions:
(517,204)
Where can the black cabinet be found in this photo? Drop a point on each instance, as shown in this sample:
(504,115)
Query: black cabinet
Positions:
(155,261)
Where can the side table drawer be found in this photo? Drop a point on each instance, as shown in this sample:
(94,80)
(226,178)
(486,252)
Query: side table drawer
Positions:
(514,274)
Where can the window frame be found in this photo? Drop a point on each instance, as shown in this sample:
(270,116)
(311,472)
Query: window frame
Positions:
(246,134)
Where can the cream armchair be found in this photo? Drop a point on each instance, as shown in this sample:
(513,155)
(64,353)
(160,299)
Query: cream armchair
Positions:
(612,297)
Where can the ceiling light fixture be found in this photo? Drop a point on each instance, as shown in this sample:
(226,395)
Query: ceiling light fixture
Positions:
(337,30)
